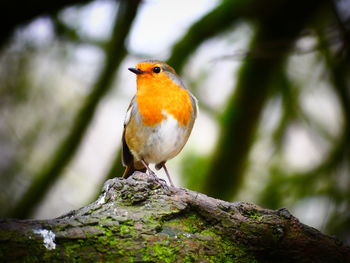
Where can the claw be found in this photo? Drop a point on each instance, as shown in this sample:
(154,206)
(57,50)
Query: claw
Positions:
(162,182)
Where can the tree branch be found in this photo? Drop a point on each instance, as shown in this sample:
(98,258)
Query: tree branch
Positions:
(225,15)
(139,220)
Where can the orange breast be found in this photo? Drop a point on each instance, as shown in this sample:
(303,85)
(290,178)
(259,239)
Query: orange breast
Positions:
(156,96)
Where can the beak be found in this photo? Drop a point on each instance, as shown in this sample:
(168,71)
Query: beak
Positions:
(136,70)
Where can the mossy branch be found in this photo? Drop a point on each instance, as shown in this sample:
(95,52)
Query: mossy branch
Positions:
(140,220)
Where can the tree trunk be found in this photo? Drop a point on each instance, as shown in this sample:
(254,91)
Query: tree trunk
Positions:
(140,219)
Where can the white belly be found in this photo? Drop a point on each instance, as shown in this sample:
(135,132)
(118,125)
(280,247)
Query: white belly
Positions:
(165,140)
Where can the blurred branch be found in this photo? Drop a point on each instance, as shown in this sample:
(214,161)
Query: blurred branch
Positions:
(73,35)
(218,20)
(339,67)
(17,13)
(289,105)
(294,182)
(292,112)
(343,27)
(195,85)
(281,180)
(268,50)
(115,52)
(244,109)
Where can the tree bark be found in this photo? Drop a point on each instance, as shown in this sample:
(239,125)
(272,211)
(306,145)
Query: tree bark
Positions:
(139,219)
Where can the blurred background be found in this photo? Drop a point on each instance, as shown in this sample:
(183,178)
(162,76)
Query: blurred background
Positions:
(271,77)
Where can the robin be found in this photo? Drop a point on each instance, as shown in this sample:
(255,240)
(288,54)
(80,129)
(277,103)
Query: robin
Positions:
(159,119)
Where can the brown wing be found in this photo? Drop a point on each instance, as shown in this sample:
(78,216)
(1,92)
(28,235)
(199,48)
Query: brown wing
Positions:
(128,159)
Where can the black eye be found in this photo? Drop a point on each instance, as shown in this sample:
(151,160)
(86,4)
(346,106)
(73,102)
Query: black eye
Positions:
(156,69)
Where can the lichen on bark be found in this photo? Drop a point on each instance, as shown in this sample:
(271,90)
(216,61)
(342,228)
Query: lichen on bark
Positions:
(141,220)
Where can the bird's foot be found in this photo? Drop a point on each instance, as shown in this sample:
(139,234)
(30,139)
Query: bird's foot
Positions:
(156,178)
(160,181)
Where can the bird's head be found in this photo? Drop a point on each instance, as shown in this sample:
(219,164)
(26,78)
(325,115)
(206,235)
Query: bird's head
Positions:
(152,67)
(155,71)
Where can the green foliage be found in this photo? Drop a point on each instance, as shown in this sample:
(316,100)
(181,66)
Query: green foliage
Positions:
(194,169)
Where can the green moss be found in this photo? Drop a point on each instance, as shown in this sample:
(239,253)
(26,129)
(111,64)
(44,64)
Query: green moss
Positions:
(226,250)
(161,252)
(197,240)
(188,224)
(125,230)
(185,237)
(203,246)
(208,232)
(253,214)
(71,251)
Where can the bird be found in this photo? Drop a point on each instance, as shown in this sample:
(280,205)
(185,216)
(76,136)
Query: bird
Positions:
(159,119)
